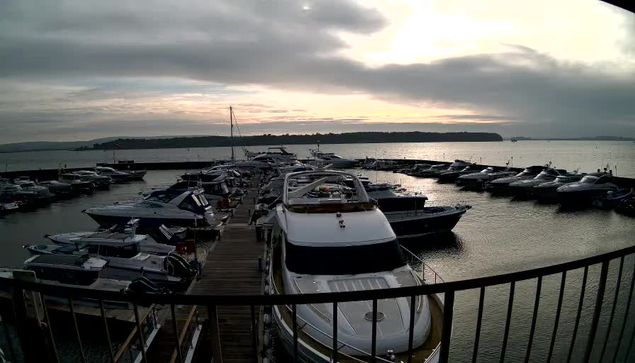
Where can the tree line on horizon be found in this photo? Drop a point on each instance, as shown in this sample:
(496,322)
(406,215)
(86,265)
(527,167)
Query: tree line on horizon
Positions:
(269,139)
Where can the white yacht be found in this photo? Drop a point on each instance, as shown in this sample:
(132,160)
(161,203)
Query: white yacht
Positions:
(334,243)
(99,181)
(592,186)
(273,154)
(524,187)
(117,241)
(116,175)
(483,176)
(169,207)
(332,159)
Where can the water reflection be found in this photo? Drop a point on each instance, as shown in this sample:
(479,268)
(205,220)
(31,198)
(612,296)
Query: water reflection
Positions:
(448,242)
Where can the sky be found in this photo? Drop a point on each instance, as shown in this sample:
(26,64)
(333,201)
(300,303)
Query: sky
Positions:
(78,70)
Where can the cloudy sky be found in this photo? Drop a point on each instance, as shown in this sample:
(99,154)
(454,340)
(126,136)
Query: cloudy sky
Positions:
(76,70)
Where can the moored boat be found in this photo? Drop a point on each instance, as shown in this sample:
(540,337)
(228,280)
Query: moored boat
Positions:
(169,207)
(362,251)
(501,185)
(582,193)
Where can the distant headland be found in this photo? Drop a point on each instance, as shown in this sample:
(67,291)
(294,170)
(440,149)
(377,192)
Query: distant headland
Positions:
(268,139)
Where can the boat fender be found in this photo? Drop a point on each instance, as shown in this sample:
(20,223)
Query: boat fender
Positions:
(391,355)
(267,319)
(267,339)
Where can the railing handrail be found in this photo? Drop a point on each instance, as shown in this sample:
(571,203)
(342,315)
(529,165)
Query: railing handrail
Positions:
(314,298)
(423,264)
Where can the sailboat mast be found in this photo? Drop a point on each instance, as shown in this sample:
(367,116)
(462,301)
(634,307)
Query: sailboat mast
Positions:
(231,128)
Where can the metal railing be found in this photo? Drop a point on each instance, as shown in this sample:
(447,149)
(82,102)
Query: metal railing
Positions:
(448,289)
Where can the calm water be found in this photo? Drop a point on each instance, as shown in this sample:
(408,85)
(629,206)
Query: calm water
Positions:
(585,155)
(498,235)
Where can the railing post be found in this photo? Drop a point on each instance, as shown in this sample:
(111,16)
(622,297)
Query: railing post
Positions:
(557,321)
(373,342)
(142,340)
(214,332)
(597,311)
(76,326)
(532,330)
(175,328)
(625,319)
(255,332)
(31,333)
(479,321)
(411,327)
(446,334)
(335,344)
(617,294)
(508,322)
(294,325)
(577,318)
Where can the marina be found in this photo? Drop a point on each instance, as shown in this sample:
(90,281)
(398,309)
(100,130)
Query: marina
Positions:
(237,259)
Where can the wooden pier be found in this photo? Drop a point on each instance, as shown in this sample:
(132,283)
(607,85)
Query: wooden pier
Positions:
(231,268)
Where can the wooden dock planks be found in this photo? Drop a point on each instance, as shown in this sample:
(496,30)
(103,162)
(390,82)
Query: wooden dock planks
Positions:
(231,268)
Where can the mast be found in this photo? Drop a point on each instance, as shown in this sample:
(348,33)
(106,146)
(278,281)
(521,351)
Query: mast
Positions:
(231,128)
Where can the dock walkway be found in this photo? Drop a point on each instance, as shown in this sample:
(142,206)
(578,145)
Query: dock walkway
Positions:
(231,268)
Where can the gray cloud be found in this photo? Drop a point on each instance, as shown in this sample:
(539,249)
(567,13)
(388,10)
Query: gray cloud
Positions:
(279,44)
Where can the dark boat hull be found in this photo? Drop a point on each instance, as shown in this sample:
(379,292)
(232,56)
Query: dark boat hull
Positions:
(432,220)
(580,198)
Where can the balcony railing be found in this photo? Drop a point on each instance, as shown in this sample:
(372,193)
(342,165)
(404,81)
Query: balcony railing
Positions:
(595,344)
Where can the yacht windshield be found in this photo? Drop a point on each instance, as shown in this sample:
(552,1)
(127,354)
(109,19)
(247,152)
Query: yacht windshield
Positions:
(589,179)
(344,260)
(544,175)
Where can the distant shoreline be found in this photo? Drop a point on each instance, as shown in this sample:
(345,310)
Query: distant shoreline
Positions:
(89,145)
(262,140)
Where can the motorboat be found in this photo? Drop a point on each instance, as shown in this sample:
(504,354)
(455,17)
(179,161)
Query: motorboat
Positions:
(526,187)
(592,186)
(548,191)
(11,193)
(415,168)
(385,165)
(120,240)
(170,207)
(204,176)
(79,183)
(136,175)
(452,176)
(41,195)
(61,190)
(7,207)
(99,181)
(81,271)
(336,161)
(484,176)
(410,218)
(502,184)
(613,199)
(116,175)
(355,238)
(169,271)
(274,154)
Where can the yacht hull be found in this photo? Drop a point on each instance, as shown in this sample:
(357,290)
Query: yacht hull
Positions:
(111,220)
(579,198)
(407,224)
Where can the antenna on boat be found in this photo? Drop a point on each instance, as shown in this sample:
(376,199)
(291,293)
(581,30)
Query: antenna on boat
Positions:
(231,129)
